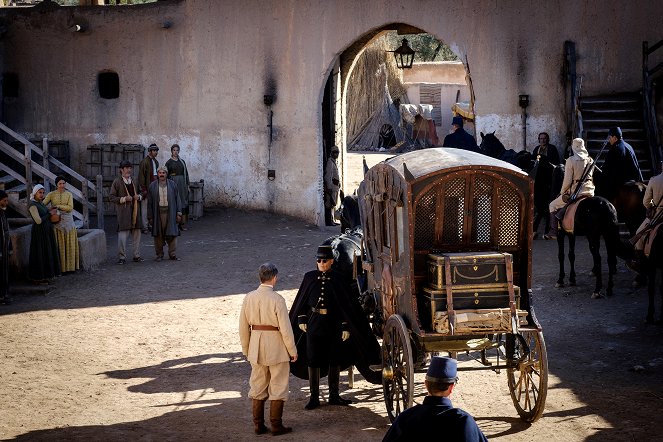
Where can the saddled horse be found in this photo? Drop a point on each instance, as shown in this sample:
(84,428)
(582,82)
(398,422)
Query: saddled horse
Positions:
(493,147)
(595,217)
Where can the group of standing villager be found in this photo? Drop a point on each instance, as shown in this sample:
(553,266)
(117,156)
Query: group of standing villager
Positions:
(157,206)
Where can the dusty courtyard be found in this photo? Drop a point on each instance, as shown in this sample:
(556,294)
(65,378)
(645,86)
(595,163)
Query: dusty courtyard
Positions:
(150,351)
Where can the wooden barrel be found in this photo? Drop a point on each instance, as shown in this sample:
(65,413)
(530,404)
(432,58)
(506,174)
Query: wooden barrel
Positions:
(196,199)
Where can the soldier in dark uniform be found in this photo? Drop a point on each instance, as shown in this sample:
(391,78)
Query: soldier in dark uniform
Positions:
(331,331)
(459,138)
(436,415)
(620,166)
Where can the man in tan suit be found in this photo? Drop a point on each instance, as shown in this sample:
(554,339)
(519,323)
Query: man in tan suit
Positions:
(269,344)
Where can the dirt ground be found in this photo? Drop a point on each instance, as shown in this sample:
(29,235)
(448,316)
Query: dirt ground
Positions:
(150,351)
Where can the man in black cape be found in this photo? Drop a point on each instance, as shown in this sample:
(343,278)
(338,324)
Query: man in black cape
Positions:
(331,331)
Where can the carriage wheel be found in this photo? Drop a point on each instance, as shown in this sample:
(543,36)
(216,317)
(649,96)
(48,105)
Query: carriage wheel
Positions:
(397,367)
(528,378)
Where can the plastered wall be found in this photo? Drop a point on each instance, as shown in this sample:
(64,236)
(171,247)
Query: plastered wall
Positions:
(200,83)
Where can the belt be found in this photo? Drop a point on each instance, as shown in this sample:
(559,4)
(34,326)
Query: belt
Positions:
(321,311)
(163,208)
(264,328)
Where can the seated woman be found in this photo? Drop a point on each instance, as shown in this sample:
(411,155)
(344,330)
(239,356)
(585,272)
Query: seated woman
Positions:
(44,258)
(65,230)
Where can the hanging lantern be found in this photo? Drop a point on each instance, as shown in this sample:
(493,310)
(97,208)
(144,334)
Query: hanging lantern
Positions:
(404,55)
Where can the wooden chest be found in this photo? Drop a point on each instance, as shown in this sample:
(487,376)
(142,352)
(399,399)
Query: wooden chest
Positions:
(470,298)
(468,269)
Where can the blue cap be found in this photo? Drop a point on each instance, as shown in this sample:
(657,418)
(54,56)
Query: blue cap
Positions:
(615,132)
(442,370)
(458,121)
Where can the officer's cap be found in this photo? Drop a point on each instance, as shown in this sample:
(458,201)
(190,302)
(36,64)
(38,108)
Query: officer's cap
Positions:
(615,132)
(442,370)
(153,147)
(325,252)
(458,121)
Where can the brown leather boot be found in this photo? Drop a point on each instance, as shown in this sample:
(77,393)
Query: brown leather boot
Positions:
(259,416)
(275,417)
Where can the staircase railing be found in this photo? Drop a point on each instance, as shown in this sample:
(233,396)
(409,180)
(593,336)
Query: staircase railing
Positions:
(648,101)
(42,170)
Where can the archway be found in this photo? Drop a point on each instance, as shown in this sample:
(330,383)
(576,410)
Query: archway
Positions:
(384,87)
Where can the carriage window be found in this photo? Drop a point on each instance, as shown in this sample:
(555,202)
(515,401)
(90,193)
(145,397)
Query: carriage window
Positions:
(482,202)
(509,216)
(424,224)
(400,233)
(454,211)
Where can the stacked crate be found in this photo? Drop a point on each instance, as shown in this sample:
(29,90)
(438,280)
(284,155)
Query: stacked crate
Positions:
(470,284)
(104,160)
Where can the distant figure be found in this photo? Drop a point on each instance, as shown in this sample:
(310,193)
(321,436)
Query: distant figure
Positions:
(653,202)
(332,186)
(621,165)
(164,214)
(124,193)
(436,416)
(548,157)
(178,172)
(147,172)
(5,249)
(268,343)
(65,230)
(44,257)
(459,138)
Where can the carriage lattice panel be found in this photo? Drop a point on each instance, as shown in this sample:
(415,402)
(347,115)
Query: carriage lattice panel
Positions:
(482,209)
(424,225)
(454,211)
(509,216)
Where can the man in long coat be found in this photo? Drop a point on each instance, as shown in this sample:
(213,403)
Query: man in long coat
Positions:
(147,174)
(620,166)
(332,186)
(5,249)
(124,193)
(164,213)
(268,343)
(331,331)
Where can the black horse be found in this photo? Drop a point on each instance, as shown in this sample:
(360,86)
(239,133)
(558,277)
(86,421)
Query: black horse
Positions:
(595,217)
(493,147)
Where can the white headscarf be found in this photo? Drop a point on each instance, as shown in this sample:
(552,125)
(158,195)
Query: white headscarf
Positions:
(35,190)
(578,147)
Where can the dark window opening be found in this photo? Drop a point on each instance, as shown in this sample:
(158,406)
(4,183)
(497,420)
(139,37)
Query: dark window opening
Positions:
(109,85)
(9,85)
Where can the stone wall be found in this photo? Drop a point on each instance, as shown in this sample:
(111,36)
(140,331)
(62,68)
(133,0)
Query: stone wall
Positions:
(200,82)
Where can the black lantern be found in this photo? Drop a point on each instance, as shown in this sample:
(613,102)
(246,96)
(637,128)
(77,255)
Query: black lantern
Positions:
(523,100)
(404,56)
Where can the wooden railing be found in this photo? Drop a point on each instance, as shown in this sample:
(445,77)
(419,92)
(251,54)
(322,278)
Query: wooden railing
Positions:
(648,102)
(42,170)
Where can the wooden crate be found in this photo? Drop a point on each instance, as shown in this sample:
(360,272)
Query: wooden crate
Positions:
(467,269)
(196,199)
(104,159)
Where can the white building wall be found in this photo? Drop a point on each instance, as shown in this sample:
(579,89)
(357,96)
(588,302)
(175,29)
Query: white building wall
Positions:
(201,82)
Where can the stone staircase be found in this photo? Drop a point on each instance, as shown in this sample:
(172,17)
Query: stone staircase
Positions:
(16,191)
(599,113)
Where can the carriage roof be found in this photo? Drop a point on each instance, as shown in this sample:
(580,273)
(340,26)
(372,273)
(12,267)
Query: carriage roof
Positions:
(421,163)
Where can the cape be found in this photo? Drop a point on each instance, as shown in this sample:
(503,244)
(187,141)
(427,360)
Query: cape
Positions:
(361,349)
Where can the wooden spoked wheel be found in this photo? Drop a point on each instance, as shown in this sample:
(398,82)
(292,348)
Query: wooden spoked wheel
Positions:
(397,367)
(528,377)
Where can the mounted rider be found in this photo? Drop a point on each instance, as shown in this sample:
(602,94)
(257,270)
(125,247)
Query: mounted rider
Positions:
(578,182)
(620,166)
(653,202)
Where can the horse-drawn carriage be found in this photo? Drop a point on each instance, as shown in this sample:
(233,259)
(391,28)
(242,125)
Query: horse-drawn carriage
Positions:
(447,252)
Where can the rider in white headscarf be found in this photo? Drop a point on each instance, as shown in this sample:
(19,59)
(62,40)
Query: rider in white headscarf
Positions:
(574,168)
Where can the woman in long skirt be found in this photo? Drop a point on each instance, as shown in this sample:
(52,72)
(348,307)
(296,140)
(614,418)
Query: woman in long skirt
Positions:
(44,257)
(177,172)
(65,231)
